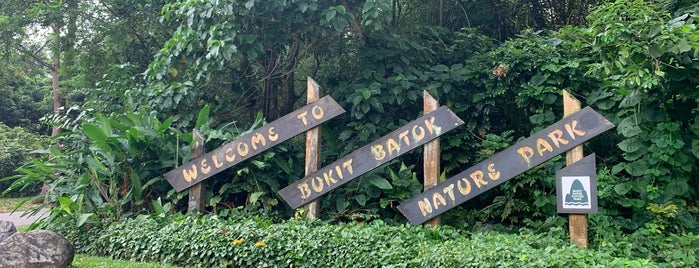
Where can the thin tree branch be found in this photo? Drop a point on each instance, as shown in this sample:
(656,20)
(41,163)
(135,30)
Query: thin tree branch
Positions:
(41,61)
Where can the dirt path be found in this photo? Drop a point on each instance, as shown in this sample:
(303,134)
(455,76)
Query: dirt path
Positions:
(20,220)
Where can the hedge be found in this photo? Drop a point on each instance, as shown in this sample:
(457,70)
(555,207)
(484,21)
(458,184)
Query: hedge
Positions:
(215,242)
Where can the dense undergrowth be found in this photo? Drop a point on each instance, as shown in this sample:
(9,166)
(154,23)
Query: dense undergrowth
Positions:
(212,241)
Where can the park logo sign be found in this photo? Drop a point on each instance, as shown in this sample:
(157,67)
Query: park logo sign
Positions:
(558,138)
(373,155)
(576,187)
(251,144)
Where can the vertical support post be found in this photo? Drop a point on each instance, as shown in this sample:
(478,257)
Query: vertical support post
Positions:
(312,147)
(431,153)
(197,193)
(577,223)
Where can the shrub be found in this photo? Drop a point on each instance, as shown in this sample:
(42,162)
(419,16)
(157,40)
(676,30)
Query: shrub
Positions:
(211,241)
(15,147)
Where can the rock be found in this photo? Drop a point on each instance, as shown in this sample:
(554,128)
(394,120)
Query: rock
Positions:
(36,249)
(7,228)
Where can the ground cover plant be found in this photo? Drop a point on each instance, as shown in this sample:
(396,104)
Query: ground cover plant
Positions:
(210,241)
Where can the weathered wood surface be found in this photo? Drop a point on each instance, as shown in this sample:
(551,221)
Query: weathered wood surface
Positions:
(197,193)
(364,159)
(577,223)
(312,146)
(431,157)
(526,154)
(253,143)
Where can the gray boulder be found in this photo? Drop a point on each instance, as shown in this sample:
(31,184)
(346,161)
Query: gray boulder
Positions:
(7,228)
(36,249)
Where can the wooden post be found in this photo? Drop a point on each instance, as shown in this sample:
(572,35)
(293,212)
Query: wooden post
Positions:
(312,146)
(431,153)
(197,193)
(577,223)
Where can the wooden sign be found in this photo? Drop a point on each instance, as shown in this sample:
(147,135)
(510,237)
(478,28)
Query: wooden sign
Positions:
(370,156)
(576,187)
(526,154)
(253,143)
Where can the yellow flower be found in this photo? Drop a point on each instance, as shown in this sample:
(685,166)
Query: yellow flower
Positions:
(238,241)
(261,244)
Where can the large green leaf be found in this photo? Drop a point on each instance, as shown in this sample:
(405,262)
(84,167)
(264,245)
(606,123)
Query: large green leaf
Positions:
(203,117)
(636,168)
(628,127)
(165,125)
(633,99)
(379,182)
(631,145)
(94,132)
(622,188)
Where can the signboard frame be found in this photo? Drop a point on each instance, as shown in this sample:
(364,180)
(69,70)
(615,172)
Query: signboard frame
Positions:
(253,143)
(370,156)
(556,139)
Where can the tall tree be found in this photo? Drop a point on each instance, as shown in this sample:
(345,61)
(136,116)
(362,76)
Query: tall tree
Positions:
(34,29)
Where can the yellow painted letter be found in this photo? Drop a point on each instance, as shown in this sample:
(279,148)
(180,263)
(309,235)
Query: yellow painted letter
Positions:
(543,146)
(392,145)
(317,112)
(425,207)
(257,138)
(190,175)
(205,168)
(493,174)
(305,191)
(526,152)
(378,152)
(437,199)
(273,136)
(464,190)
(556,137)
(570,128)
(477,177)
(302,117)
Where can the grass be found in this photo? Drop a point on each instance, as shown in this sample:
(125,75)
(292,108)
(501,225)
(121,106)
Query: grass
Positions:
(85,261)
(8,204)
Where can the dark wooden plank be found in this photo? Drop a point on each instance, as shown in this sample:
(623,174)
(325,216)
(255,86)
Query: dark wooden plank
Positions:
(253,143)
(371,156)
(526,154)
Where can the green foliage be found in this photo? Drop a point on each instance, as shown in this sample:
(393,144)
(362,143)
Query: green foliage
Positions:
(105,169)
(215,242)
(25,97)
(649,241)
(16,146)
(218,63)
(646,59)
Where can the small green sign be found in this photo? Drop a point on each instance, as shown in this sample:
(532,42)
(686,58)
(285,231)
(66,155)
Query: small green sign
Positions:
(576,187)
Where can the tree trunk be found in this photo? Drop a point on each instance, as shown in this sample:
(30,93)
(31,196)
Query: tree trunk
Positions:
(58,101)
